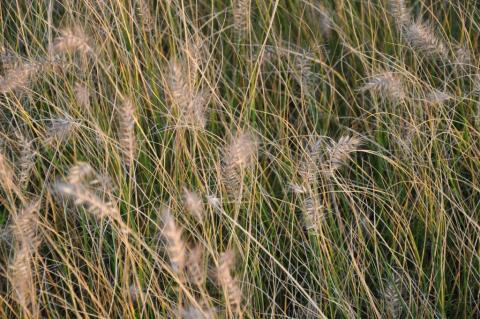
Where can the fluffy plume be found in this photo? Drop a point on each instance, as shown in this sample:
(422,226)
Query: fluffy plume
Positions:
(175,244)
(148,22)
(6,173)
(312,212)
(401,13)
(308,164)
(83,196)
(82,95)
(231,290)
(303,71)
(393,296)
(193,312)
(193,204)
(387,85)
(321,18)
(237,156)
(26,160)
(19,77)
(59,130)
(79,172)
(72,40)
(195,268)
(21,277)
(339,152)
(437,97)
(423,40)
(241,17)
(190,105)
(25,225)
(126,131)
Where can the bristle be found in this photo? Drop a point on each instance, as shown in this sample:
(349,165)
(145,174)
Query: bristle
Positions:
(423,40)
(79,172)
(393,297)
(82,95)
(6,173)
(25,225)
(387,84)
(72,40)
(312,212)
(19,77)
(147,20)
(126,131)
(339,152)
(21,277)
(83,196)
(178,85)
(26,160)
(241,17)
(308,164)
(400,12)
(437,97)
(175,244)
(195,267)
(193,204)
(232,291)
(59,130)
(237,156)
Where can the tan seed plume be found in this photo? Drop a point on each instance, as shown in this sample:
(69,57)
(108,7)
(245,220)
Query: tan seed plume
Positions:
(231,289)
(193,204)
(175,244)
(126,131)
(339,152)
(72,40)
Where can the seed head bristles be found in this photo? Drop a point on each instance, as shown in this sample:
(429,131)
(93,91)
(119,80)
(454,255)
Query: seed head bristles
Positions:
(241,17)
(339,152)
(83,196)
(21,277)
(463,58)
(312,212)
(303,71)
(193,204)
(196,270)
(82,95)
(387,84)
(193,312)
(19,77)
(297,189)
(399,10)
(25,225)
(26,161)
(231,290)
(79,172)
(8,60)
(393,296)
(237,156)
(308,164)
(321,18)
(175,244)
(126,131)
(59,130)
(422,39)
(437,97)
(72,40)
(179,86)
(6,173)
(147,20)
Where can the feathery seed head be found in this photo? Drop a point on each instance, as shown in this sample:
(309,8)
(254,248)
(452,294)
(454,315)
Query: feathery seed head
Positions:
(232,291)
(59,130)
(195,267)
(400,12)
(126,131)
(423,39)
(71,40)
(339,152)
(242,150)
(79,172)
(241,17)
(25,225)
(437,97)
(19,77)
(27,156)
(193,204)
(21,277)
(387,84)
(175,244)
(82,95)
